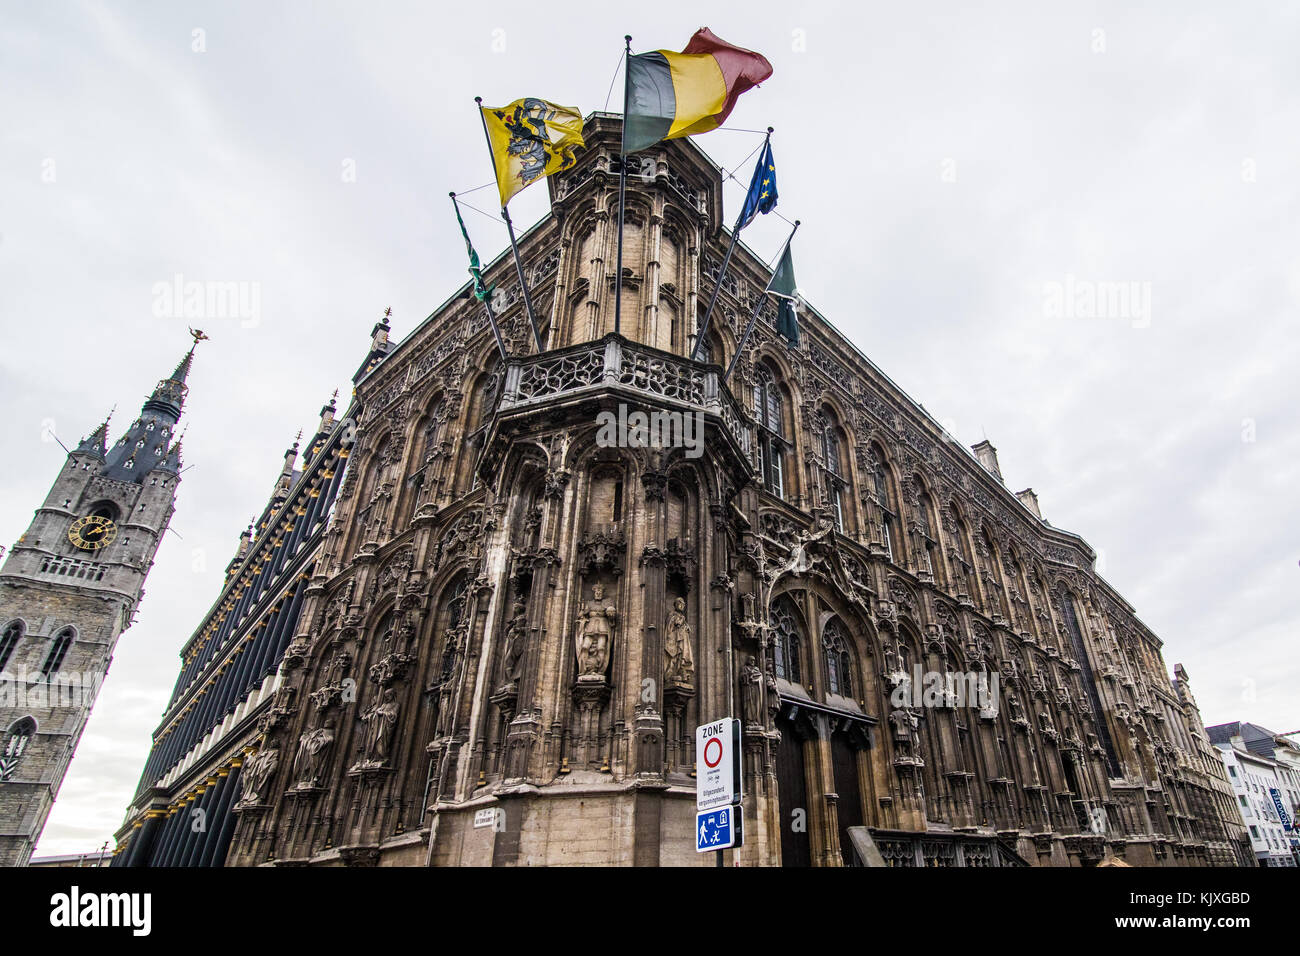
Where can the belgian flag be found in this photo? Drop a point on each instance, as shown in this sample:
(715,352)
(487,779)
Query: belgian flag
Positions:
(680,94)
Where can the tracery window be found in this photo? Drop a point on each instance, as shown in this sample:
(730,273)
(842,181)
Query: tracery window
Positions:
(885,498)
(769,410)
(839,662)
(925,522)
(786,643)
(833,443)
(20,735)
(58,651)
(9,640)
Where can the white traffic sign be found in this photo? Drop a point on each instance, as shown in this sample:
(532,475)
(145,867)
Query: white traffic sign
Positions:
(717,764)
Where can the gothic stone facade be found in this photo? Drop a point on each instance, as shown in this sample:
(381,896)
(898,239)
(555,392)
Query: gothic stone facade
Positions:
(513,628)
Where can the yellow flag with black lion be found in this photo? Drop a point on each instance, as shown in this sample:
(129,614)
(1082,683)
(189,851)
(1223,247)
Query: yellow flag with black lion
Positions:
(531,139)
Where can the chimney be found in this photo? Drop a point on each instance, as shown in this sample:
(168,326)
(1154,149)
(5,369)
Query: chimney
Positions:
(1030,501)
(988,457)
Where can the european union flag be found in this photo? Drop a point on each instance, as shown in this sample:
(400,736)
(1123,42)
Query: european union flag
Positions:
(762,189)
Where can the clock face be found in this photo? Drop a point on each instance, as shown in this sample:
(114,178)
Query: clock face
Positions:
(92,532)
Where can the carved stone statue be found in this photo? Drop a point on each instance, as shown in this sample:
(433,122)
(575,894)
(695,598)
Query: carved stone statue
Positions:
(1016,712)
(773,695)
(751,693)
(679,667)
(380,720)
(906,738)
(516,643)
(309,763)
(594,637)
(257,771)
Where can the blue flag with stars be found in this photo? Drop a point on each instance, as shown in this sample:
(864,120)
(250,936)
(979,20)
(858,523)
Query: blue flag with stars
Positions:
(762,189)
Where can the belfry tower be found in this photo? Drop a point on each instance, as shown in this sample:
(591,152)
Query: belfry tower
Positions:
(70,587)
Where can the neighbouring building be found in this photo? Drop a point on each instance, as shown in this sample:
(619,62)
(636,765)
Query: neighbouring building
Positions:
(505,624)
(1201,771)
(1264,770)
(69,588)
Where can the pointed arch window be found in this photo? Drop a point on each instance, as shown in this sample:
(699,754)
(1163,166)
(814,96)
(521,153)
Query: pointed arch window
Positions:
(9,639)
(885,498)
(839,662)
(20,735)
(833,442)
(967,565)
(925,523)
(58,652)
(998,597)
(769,413)
(1090,682)
(786,647)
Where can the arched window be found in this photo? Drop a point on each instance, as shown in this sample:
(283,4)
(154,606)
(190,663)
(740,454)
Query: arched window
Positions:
(964,571)
(105,509)
(998,598)
(1080,653)
(451,618)
(9,640)
(839,662)
(925,525)
(20,735)
(833,442)
(785,643)
(769,413)
(885,499)
(58,651)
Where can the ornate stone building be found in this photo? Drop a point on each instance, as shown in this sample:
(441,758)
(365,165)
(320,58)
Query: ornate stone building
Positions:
(69,588)
(510,628)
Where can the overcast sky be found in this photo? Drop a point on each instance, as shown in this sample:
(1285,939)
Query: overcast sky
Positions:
(955,170)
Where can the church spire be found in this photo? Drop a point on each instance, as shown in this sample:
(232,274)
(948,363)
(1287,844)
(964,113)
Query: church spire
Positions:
(147,443)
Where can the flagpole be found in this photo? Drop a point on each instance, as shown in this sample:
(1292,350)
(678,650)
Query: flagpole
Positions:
(510,229)
(622,188)
(487,300)
(722,275)
(758,304)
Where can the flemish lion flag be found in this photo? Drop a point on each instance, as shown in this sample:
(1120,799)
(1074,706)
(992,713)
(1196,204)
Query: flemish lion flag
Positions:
(680,94)
(530,139)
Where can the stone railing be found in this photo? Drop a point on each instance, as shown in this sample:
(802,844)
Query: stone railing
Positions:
(615,362)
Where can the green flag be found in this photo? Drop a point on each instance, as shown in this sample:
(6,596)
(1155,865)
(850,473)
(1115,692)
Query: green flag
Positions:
(783,285)
(481,289)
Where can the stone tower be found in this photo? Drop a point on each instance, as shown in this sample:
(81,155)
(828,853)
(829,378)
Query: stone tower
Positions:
(70,587)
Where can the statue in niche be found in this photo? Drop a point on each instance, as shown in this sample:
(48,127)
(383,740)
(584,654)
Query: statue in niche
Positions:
(594,637)
(906,737)
(309,763)
(752,693)
(516,643)
(380,720)
(680,664)
(257,770)
(773,695)
(1015,710)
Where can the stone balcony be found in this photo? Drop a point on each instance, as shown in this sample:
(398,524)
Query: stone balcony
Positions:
(577,382)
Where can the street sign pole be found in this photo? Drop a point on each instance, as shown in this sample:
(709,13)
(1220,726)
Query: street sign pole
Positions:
(719,788)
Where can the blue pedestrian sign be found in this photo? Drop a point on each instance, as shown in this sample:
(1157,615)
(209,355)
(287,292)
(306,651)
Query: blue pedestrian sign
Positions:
(719,829)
